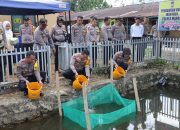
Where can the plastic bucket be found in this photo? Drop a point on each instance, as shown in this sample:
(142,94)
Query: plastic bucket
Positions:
(77,84)
(34,89)
(118,73)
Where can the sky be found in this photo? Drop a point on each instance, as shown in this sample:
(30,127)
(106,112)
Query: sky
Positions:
(116,3)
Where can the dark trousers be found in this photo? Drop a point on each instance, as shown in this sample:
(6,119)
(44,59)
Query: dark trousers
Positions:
(2,67)
(42,60)
(94,56)
(118,46)
(56,58)
(69,74)
(107,54)
(140,49)
(32,78)
(26,46)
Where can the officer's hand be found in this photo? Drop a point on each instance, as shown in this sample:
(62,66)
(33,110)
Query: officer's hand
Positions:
(76,74)
(116,65)
(27,82)
(41,83)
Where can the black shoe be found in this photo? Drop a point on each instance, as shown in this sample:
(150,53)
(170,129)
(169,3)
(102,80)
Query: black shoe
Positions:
(41,94)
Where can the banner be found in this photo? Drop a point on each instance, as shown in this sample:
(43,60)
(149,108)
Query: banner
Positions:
(17,20)
(169,15)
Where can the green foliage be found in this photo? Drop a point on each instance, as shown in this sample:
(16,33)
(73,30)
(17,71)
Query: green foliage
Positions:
(84,5)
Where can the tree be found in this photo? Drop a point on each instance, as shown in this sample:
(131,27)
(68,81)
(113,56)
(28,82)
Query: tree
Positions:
(83,5)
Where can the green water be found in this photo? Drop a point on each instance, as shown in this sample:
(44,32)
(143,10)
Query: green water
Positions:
(160,111)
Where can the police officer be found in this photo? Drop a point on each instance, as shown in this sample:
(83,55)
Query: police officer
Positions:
(123,58)
(118,30)
(92,37)
(90,22)
(42,38)
(106,30)
(27,72)
(26,32)
(78,31)
(3,43)
(119,33)
(79,64)
(106,35)
(58,34)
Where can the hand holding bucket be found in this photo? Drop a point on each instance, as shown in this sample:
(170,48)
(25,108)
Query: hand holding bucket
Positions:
(77,84)
(118,73)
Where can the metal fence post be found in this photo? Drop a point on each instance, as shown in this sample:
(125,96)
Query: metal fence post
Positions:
(49,63)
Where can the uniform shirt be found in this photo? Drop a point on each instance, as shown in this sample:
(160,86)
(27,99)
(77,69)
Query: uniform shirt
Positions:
(106,33)
(137,30)
(118,32)
(154,31)
(77,64)
(42,38)
(26,33)
(24,70)
(3,40)
(93,34)
(118,57)
(78,33)
(58,33)
(147,28)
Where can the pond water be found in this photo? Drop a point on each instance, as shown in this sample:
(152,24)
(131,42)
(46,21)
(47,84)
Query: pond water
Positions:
(160,111)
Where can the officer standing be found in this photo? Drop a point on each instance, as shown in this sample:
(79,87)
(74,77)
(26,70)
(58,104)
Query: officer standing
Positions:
(3,43)
(26,72)
(78,31)
(119,33)
(106,35)
(106,30)
(93,32)
(58,35)
(118,30)
(26,32)
(79,64)
(92,37)
(42,38)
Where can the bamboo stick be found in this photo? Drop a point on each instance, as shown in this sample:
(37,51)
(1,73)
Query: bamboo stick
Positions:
(136,94)
(88,124)
(59,94)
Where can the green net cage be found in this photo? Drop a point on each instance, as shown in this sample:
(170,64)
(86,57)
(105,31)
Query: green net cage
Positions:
(74,109)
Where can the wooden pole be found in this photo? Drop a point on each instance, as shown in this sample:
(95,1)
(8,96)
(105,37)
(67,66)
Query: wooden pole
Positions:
(136,94)
(88,124)
(111,71)
(59,94)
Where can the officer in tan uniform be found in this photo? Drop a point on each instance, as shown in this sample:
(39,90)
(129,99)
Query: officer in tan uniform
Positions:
(106,30)
(26,32)
(78,32)
(3,43)
(118,30)
(27,72)
(147,26)
(119,33)
(79,64)
(42,38)
(93,32)
(123,58)
(90,22)
(106,35)
(92,37)
(58,35)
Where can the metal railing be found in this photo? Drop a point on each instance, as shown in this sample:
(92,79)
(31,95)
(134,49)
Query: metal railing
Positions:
(9,60)
(141,51)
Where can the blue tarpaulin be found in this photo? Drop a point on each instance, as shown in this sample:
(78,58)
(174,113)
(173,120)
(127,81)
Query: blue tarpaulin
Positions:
(32,7)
